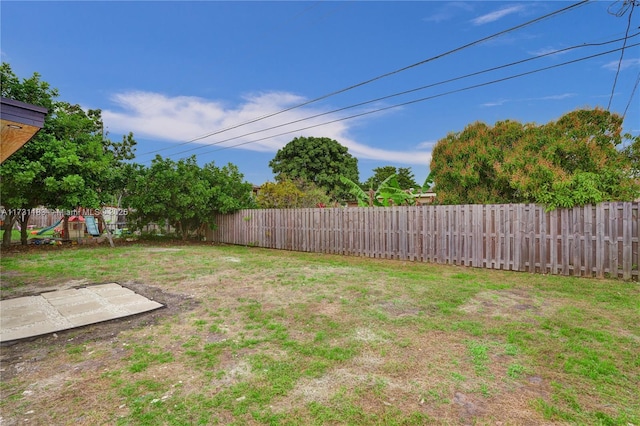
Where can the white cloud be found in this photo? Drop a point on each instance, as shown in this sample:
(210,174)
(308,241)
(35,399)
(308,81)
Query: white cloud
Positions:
(626,63)
(183,118)
(439,17)
(498,14)
(553,97)
(427,144)
(558,97)
(547,51)
(448,11)
(495,103)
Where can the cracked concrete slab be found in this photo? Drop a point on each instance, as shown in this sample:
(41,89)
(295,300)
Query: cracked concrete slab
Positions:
(54,311)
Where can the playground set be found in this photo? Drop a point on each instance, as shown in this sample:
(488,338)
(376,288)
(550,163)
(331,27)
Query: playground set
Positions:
(80,227)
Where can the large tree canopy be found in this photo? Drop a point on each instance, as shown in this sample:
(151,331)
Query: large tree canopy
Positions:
(318,160)
(572,161)
(67,164)
(185,194)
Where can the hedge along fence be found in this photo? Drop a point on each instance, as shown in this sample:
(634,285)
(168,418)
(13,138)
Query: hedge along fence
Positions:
(599,240)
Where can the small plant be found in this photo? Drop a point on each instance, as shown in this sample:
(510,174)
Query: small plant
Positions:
(515,370)
(510,349)
(75,349)
(199,324)
(479,356)
(142,357)
(458,378)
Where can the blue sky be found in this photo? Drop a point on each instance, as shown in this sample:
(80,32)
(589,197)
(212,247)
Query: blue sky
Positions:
(171,72)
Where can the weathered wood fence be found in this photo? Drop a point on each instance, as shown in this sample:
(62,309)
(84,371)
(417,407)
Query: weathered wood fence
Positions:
(599,240)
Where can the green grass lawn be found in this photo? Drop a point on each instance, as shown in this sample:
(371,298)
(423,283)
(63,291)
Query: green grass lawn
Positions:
(15,234)
(296,338)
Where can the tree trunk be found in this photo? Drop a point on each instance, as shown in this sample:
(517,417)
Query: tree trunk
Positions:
(65,228)
(106,228)
(7,227)
(183,232)
(202,229)
(24,231)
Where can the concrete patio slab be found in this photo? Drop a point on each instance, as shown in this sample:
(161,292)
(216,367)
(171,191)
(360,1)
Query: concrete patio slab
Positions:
(54,311)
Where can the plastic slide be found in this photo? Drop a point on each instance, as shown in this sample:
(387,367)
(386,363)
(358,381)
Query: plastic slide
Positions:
(48,228)
(92,226)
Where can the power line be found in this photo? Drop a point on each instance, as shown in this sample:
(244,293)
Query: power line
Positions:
(475,86)
(409,91)
(615,80)
(633,92)
(371,80)
(621,10)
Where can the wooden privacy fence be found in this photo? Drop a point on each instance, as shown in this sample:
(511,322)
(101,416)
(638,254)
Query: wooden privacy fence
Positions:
(599,240)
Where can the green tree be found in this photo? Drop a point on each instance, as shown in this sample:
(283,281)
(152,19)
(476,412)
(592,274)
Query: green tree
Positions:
(572,161)
(404,176)
(123,171)
(230,192)
(632,151)
(18,194)
(318,160)
(186,195)
(31,90)
(313,195)
(463,164)
(278,195)
(289,194)
(66,165)
(81,171)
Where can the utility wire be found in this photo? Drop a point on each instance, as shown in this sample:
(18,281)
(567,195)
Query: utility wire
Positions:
(621,10)
(371,80)
(410,91)
(633,92)
(475,86)
(615,80)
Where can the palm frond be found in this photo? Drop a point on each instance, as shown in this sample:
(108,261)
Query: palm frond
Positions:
(355,190)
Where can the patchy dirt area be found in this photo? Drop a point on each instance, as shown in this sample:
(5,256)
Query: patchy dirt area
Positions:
(14,355)
(507,304)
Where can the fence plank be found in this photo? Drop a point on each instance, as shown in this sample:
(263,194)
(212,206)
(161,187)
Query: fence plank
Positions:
(588,240)
(487,235)
(600,241)
(613,239)
(530,223)
(543,243)
(565,241)
(627,255)
(553,242)
(508,226)
(500,234)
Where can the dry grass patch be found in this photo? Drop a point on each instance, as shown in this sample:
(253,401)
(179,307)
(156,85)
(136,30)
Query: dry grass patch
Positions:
(511,304)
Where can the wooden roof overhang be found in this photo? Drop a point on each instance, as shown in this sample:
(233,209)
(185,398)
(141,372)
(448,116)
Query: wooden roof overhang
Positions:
(20,122)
